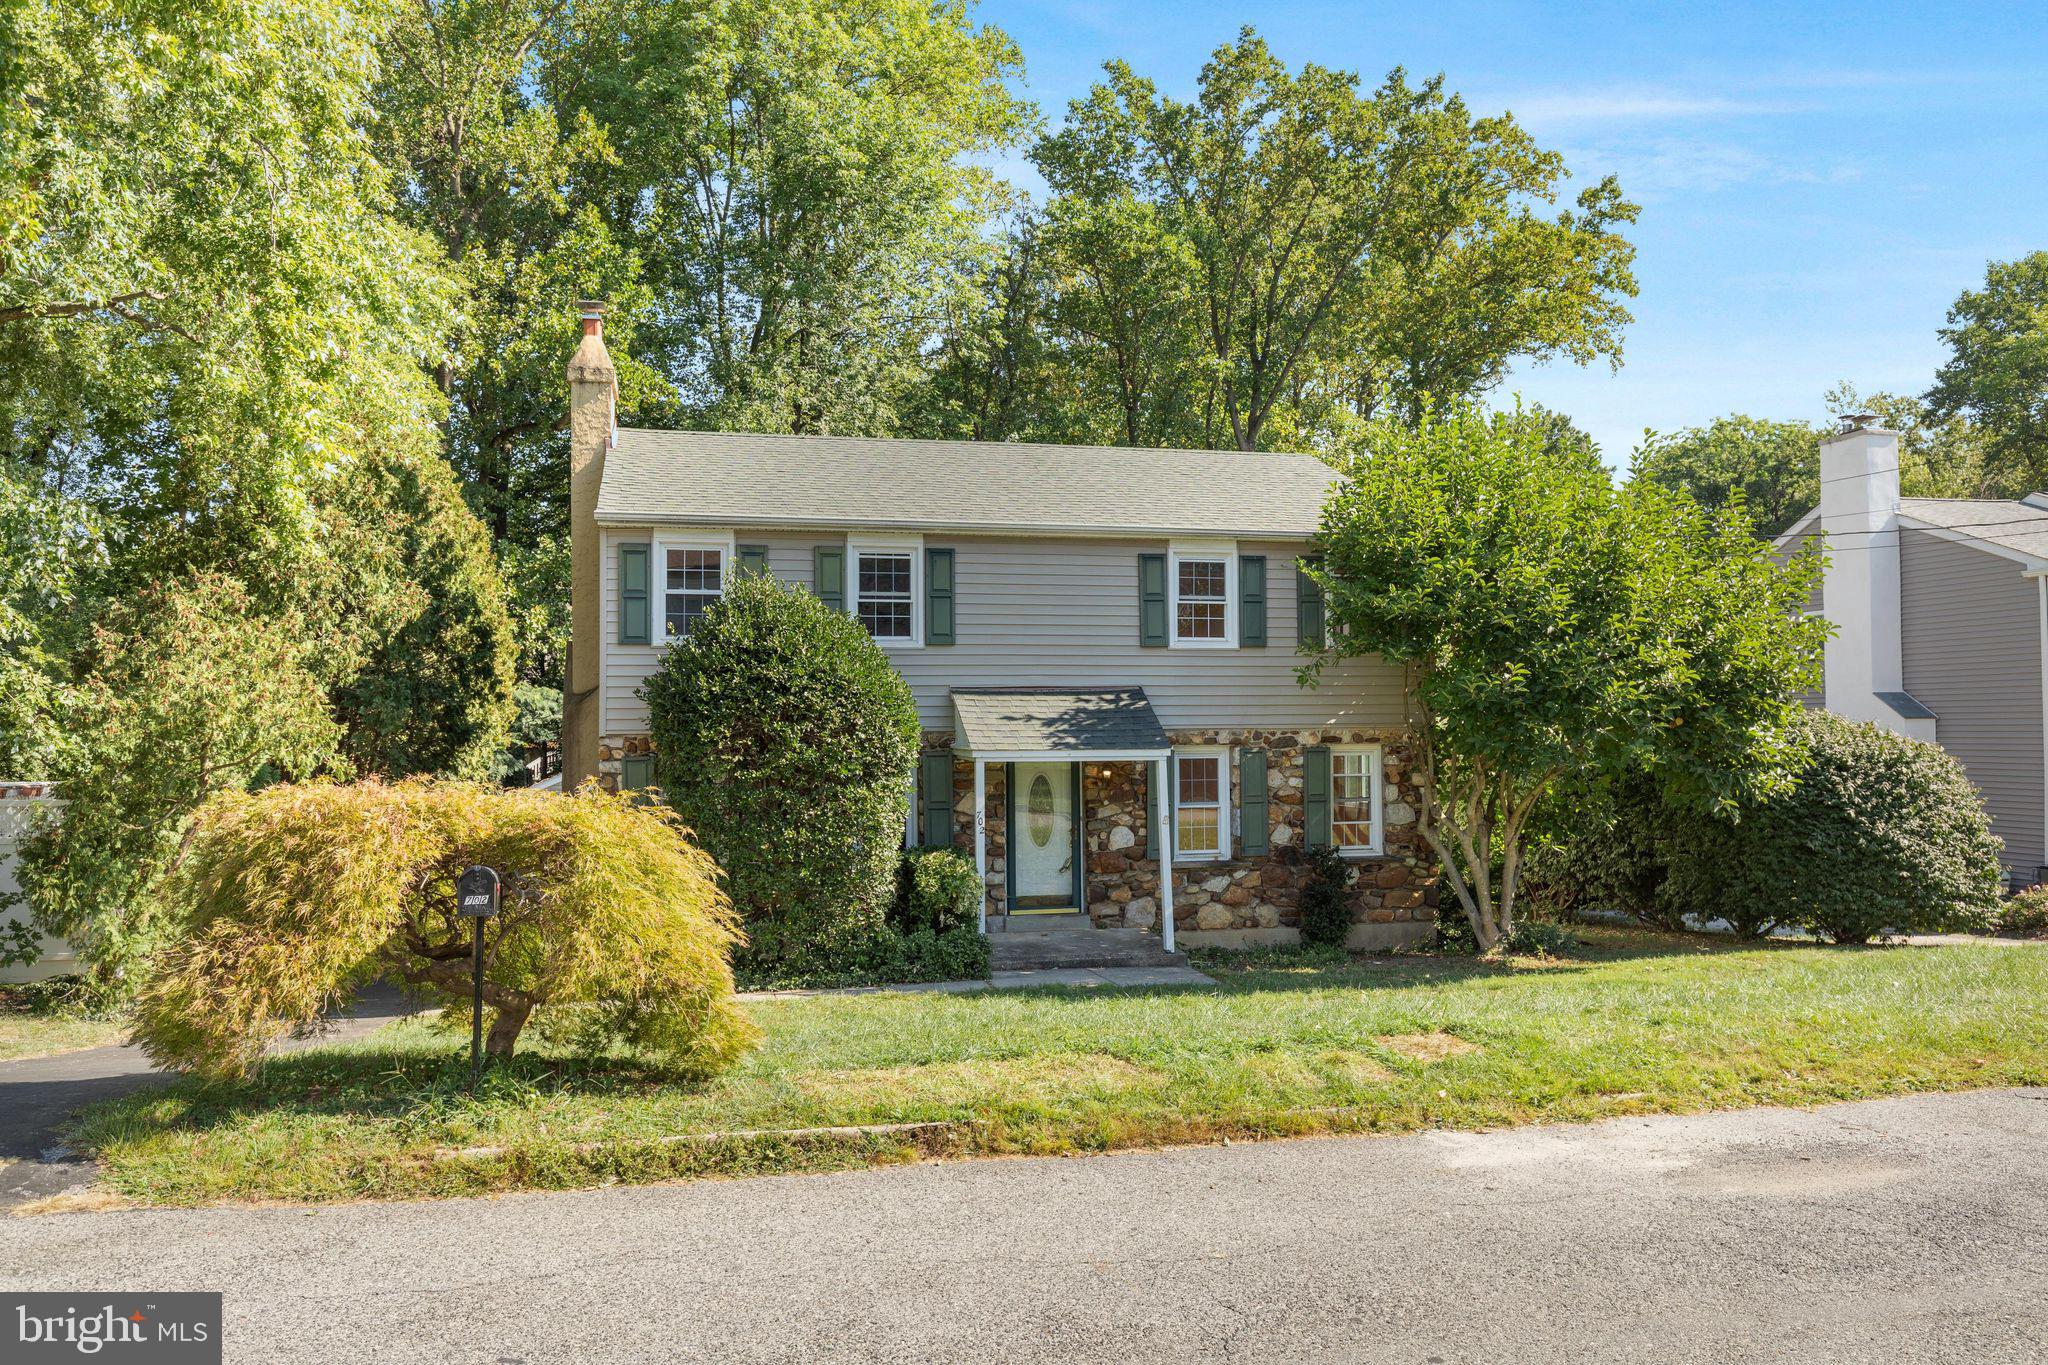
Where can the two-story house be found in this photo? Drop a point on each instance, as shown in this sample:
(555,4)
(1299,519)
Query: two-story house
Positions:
(1940,610)
(1085,630)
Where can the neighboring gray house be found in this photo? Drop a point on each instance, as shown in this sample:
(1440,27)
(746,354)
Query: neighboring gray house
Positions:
(1082,629)
(1940,609)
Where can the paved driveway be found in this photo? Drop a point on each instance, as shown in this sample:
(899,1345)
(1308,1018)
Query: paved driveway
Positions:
(1902,1230)
(37,1094)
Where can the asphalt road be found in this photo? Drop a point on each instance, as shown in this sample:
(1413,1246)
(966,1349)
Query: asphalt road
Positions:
(1901,1230)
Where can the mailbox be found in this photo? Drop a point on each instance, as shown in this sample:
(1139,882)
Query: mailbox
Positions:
(476,893)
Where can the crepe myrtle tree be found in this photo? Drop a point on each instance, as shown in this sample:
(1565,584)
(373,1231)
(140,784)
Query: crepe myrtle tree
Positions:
(1552,622)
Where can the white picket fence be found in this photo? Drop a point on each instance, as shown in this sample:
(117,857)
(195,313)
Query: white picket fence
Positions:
(21,804)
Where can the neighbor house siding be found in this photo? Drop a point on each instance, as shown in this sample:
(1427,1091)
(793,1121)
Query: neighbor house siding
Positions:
(1815,603)
(1058,612)
(1970,622)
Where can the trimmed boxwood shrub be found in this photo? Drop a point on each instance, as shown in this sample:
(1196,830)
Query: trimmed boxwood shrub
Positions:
(1880,834)
(786,741)
(936,889)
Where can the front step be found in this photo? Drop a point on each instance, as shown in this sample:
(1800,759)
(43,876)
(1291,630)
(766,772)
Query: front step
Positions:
(1021,946)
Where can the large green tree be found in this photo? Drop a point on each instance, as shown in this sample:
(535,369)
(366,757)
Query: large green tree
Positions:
(1362,251)
(202,297)
(1996,375)
(1555,625)
(492,167)
(1771,469)
(182,692)
(800,180)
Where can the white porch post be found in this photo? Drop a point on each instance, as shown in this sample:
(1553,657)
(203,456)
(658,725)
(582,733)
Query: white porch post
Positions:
(981,837)
(1161,808)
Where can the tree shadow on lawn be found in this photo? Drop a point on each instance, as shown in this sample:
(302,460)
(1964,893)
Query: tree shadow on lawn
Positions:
(414,1080)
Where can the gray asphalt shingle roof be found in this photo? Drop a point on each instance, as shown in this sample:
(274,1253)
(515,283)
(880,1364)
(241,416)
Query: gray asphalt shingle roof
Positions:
(744,479)
(2015,525)
(1016,720)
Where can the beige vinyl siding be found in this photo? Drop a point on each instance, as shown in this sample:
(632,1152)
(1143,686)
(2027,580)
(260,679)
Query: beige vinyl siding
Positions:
(1815,602)
(1970,622)
(1063,612)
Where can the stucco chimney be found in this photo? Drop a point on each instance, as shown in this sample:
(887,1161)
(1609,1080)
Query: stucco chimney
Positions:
(1859,513)
(593,426)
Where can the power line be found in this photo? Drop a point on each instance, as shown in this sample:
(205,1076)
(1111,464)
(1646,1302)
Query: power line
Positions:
(1829,545)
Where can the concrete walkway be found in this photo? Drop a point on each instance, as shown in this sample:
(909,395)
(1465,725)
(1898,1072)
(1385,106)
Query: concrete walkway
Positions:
(37,1094)
(1020,980)
(1898,1231)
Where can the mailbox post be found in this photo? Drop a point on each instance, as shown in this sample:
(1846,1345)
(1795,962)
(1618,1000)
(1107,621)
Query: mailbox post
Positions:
(476,899)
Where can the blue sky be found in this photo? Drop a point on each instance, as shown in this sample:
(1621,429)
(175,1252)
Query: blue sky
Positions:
(1818,181)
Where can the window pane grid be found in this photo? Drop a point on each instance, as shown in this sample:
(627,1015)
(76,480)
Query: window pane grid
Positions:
(1198,799)
(693,580)
(882,595)
(1202,587)
(1351,777)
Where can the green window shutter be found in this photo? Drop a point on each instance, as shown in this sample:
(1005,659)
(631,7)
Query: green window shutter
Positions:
(828,575)
(1308,607)
(1315,794)
(1152,601)
(753,558)
(635,603)
(1251,601)
(938,597)
(935,798)
(636,773)
(1251,802)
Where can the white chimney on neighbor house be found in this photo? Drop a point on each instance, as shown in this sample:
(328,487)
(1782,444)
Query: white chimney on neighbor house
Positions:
(1859,517)
(593,426)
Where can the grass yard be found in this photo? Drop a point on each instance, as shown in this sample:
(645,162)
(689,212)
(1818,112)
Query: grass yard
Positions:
(35,1023)
(1288,1044)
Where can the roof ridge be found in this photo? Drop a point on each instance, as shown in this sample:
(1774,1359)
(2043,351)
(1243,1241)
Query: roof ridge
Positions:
(970,444)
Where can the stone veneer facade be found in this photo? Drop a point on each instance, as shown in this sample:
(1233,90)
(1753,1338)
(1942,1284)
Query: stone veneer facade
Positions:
(1230,900)
(1236,899)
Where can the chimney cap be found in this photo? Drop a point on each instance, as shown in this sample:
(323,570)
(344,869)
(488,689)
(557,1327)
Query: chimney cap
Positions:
(1856,421)
(592,308)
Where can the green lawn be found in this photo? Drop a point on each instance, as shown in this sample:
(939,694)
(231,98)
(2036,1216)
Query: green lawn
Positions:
(1286,1045)
(34,1022)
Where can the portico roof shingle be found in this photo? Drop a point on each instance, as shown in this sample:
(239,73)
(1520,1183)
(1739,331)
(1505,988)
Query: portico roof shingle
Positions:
(1049,720)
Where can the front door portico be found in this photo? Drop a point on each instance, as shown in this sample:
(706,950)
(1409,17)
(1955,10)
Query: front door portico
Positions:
(1041,736)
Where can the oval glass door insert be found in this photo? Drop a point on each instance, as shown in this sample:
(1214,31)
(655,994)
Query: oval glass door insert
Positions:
(1038,809)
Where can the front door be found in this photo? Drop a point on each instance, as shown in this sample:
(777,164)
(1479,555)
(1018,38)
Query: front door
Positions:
(1042,843)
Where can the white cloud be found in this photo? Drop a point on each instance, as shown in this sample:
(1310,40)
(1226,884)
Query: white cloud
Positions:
(1580,107)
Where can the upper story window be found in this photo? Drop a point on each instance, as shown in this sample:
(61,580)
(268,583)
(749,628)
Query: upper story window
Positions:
(695,579)
(694,573)
(885,590)
(1355,800)
(1200,784)
(1203,581)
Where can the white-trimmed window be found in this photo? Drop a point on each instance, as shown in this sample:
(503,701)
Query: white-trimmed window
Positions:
(1356,799)
(1201,805)
(1201,588)
(694,573)
(887,589)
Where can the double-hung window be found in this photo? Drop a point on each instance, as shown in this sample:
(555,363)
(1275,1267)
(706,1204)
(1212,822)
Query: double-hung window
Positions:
(1201,803)
(1202,579)
(885,590)
(694,574)
(1355,798)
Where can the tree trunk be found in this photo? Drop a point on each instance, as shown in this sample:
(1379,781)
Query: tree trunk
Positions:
(504,1031)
